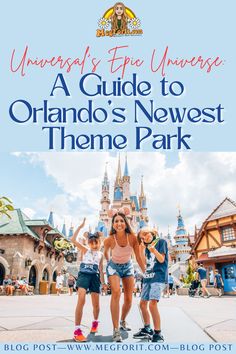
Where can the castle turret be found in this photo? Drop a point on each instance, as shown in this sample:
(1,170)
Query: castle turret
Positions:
(105,200)
(126,182)
(143,202)
(51,219)
(118,181)
(63,231)
(181,237)
(118,190)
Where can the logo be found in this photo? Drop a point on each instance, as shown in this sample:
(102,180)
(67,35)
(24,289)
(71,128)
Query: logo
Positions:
(117,21)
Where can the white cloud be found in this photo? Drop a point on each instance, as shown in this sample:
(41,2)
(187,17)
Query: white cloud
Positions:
(29,212)
(198,182)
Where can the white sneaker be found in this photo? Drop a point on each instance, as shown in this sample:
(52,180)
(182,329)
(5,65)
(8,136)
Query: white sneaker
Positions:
(124,326)
(116,336)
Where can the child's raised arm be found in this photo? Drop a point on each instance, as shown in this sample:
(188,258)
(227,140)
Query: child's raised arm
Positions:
(74,237)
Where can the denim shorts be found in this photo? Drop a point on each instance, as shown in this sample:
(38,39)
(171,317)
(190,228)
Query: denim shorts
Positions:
(152,291)
(89,282)
(122,270)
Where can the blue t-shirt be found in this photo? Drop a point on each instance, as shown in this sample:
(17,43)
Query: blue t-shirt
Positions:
(156,271)
(170,279)
(202,273)
(218,279)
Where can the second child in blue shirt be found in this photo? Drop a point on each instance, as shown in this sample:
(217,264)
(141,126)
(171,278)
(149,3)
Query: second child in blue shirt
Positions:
(155,278)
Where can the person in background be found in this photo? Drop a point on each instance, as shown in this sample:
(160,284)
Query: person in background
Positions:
(7,283)
(70,284)
(170,284)
(218,282)
(59,283)
(203,279)
(211,277)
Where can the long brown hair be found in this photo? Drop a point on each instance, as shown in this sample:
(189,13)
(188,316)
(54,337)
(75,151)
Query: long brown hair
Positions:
(114,19)
(128,229)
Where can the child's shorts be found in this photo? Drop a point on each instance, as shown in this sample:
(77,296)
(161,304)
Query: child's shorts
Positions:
(122,270)
(152,291)
(89,282)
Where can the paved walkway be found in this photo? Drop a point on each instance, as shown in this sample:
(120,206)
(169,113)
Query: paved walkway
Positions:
(50,318)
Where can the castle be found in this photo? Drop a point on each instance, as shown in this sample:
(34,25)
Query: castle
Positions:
(120,197)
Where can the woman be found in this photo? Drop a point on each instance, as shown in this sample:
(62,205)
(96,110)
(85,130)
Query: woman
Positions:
(71,283)
(119,18)
(121,243)
(59,283)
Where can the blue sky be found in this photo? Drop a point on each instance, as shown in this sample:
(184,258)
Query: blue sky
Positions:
(70,184)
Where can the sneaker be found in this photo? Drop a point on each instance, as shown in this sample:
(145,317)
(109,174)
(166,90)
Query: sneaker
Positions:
(78,336)
(94,327)
(124,326)
(143,333)
(116,336)
(157,337)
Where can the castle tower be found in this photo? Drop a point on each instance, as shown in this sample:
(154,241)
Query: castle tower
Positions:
(105,200)
(182,249)
(63,231)
(143,202)
(126,184)
(118,181)
(122,197)
(118,190)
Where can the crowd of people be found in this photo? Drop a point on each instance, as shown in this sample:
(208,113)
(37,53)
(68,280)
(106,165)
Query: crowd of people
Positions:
(11,284)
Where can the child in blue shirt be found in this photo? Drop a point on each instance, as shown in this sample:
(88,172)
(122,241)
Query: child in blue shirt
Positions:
(155,278)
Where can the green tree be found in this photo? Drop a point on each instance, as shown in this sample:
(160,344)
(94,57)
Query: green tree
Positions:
(190,274)
(6,206)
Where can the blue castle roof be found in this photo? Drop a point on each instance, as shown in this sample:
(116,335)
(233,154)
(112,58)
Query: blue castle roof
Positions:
(180,221)
(51,219)
(118,194)
(180,231)
(63,231)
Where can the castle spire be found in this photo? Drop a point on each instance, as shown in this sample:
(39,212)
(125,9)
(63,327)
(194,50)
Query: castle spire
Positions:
(105,183)
(118,174)
(142,195)
(51,219)
(63,231)
(126,170)
(142,199)
(180,227)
